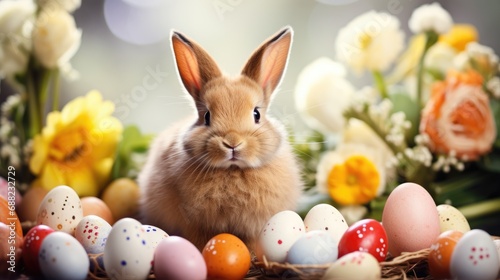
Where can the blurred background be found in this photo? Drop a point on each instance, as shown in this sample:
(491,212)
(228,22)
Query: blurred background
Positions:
(125,51)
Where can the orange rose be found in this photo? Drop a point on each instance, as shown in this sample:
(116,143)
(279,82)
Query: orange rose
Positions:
(458,117)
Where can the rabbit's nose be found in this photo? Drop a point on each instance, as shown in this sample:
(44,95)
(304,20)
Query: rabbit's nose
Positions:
(232,141)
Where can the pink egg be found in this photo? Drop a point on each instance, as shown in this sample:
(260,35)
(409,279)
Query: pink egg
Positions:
(177,258)
(410,219)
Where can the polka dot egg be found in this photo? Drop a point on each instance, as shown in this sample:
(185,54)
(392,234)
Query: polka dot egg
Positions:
(154,235)
(127,252)
(226,257)
(60,209)
(450,218)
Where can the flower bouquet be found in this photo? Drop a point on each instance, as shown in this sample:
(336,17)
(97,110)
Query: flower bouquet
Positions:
(430,117)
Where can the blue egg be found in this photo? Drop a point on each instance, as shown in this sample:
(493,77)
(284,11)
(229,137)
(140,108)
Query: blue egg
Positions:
(315,247)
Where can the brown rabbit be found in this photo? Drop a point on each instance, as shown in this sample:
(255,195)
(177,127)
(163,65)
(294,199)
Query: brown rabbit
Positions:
(230,167)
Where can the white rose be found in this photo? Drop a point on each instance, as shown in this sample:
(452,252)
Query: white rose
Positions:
(440,58)
(371,41)
(430,17)
(67,5)
(322,94)
(55,37)
(16,21)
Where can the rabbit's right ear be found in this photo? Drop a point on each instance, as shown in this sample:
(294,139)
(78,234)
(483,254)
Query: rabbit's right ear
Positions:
(195,66)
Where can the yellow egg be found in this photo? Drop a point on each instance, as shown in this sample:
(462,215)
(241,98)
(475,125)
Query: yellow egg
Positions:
(122,198)
(92,205)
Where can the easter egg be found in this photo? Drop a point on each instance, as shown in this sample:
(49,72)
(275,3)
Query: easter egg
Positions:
(92,205)
(10,249)
(92,232)
(33,197)
(154,235)
(31,247)
(61,210)
(8,216)
(63,257)
(450,218)
(226,257)
(278,235)
(314,247)
(354,266)
(126,253)
(475,257)
(366,235)
(122,196)
(328,218)
(410,219)
(440,255)
(177,258)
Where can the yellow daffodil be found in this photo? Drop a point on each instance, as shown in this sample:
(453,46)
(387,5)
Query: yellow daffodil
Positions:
(459,36)
(77,145)
(353,174)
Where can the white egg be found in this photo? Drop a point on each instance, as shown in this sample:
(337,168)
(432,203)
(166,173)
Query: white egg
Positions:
(355,265)
(127,254)
(315,247)
(154,235)
(450,218)
(278,235)
(475,257)
(92,232)
(63,257)
(60,209)
(328,218)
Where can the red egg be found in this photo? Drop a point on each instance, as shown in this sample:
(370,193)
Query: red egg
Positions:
(227,257)
(31,247)
(366,235)
(440,254)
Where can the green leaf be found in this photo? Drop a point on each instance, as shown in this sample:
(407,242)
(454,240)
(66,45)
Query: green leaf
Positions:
(491,161)
(495,109)
(402,102)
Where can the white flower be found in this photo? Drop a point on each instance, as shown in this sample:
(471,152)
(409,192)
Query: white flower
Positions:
(339,156)
(322,94)
(10,104)
(371,41)
(55,37)
(430,17)
(16,21)
(440,58)
(67,5)
(493,85)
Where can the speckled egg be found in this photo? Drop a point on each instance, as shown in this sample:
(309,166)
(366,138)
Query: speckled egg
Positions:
(127,254)
(315,247)
(450,218)
(355,265)
(226,257)
(278,235)
(92,232)
(475,257)
(328,218)
(154,235)
(61,210)
(63,257)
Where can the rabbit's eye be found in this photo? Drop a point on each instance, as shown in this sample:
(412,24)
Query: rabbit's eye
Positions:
(256,115)
(207,118)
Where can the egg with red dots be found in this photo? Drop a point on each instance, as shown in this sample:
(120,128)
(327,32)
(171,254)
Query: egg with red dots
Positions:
(31,247)
(63,257)
(278,235)
(367,235)
(328,218)
(475,257)
(92,232)
(315,247)
(60,209)
(127,252)
(354,266)
(154,235)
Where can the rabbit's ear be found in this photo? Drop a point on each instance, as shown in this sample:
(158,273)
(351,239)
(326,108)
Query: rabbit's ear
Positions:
(267,64)
(194,64)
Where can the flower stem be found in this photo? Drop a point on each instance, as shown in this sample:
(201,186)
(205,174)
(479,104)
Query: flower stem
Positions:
(33,107)
(431,39)
(56,90)
(380,83)
(481,208)
(44,88)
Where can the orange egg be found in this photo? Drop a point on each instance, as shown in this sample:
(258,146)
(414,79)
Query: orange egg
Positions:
(227,257)
(92,205)
(33,197)
(440,254)
(9,217)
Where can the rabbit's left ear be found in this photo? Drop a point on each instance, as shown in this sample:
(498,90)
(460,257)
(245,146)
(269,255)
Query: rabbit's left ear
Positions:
(268,62)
